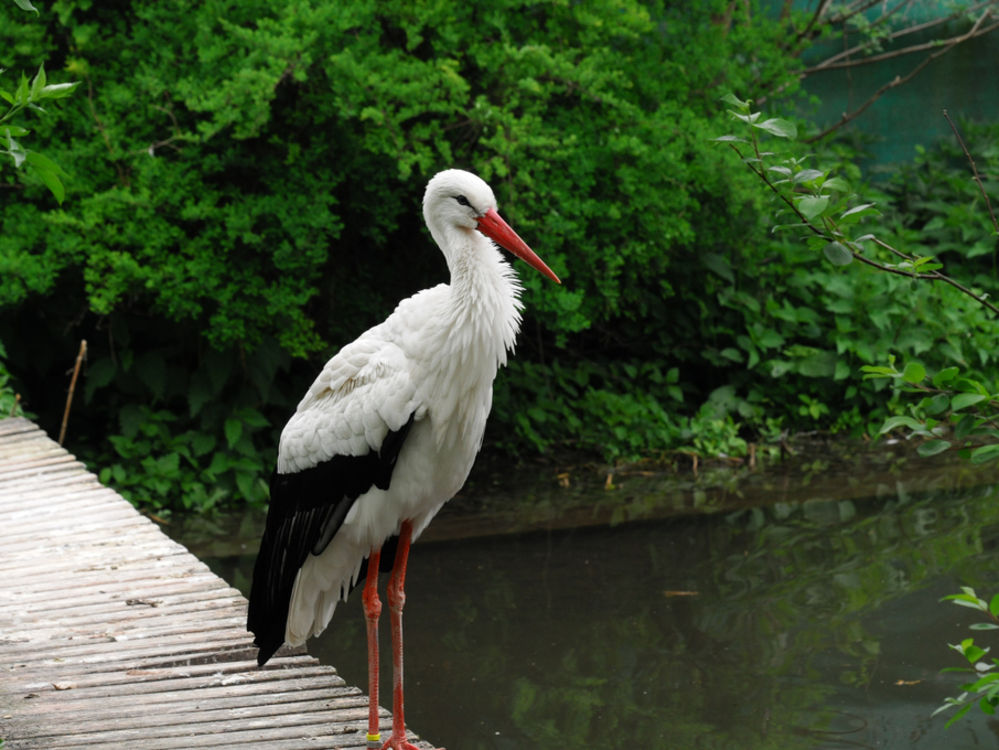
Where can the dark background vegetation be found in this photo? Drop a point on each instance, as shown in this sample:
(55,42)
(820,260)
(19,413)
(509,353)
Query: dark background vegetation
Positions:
(243,197)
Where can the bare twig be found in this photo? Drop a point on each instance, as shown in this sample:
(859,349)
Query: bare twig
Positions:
(857,8)
(899,80)
(836,62)
(153,147)
(814,20)
(72,388)
(894,35)
(122,174)
(974,171)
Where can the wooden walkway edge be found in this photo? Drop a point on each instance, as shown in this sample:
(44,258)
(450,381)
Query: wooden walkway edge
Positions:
(114,636)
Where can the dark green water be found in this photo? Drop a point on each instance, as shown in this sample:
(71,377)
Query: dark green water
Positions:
(807,622)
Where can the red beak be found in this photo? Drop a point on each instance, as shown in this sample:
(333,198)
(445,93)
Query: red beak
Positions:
(493,227)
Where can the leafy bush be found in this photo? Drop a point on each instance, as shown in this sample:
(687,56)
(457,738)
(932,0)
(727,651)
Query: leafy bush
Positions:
(984,685)
(246,179)
(244,197)
(10,405)
(950,373)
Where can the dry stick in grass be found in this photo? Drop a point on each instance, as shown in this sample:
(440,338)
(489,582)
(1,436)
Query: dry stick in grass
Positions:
(72,388)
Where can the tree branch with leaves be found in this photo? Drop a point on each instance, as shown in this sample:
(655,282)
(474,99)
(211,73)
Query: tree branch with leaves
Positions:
(29,95)
(947,407)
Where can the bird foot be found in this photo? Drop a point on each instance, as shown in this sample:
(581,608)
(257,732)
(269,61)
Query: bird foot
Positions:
(400,743)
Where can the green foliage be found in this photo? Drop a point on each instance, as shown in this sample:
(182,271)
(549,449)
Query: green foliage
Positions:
(245,173)
(983,688)
(173,464)
(29,95)
(245,189)
(217,449)
(10,405)
(832,217)
(951,408)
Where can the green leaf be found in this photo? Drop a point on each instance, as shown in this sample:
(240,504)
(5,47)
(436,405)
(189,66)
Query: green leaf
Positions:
(984,454)
(880,371)
(202,443)
(936,404)
(964,400)
(807,175)
(837,184)
(720,265)
(863,208)
(17,152)
(893,423)
(233,431)
(994,605)
(735,101)
(933,447)
(913,373)
(972,652)
(944,376)
(967,599)
(23,91)
(58,90)
(25,5)
(838,254)
(958,715)
(48,171)
(811,206)
(967,425)
(43,162)
(988,704)
(38,82)
(778,127)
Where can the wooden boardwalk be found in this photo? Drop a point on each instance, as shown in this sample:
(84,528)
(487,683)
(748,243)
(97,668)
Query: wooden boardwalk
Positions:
(114,636)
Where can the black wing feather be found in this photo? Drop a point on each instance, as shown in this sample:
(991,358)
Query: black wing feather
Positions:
(306,510)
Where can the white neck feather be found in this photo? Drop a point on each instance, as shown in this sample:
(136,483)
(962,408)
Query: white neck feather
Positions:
(480,321)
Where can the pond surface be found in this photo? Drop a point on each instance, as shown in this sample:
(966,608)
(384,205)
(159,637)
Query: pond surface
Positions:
(792,607)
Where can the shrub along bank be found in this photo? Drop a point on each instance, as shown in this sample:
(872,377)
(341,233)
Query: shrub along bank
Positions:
(243,185)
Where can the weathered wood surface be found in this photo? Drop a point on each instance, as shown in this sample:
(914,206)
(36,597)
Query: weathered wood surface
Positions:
(114,636)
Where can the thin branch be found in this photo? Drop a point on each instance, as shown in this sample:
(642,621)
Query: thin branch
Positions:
(852,247)
(895,35)
(974,171)
(835,63)
(814,20)
(72,389)
(859,8)
(936,276)
(899,80)
(122,174)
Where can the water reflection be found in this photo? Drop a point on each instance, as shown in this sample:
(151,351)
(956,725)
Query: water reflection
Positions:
(791,625)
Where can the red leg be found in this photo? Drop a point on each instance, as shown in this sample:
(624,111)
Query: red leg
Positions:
(372,610)
(396,597)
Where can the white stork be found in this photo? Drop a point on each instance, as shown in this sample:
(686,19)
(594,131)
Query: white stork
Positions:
(385,436)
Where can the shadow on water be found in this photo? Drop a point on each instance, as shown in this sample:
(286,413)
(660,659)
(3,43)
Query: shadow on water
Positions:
(796,607)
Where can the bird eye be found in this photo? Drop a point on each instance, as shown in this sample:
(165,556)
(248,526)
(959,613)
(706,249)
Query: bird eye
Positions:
(462,200)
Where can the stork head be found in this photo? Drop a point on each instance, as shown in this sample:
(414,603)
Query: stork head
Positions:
(460,199)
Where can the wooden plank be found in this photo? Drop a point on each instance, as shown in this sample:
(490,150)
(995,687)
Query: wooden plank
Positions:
(113,636)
